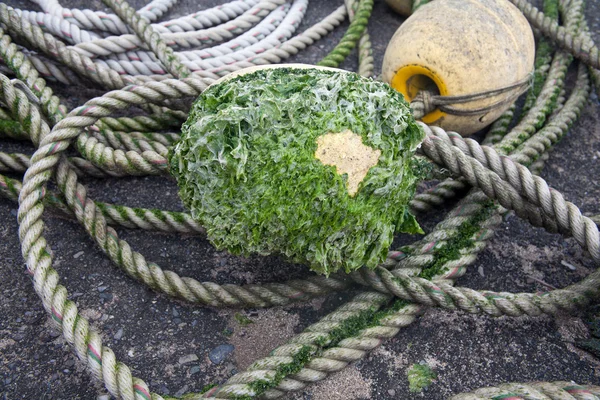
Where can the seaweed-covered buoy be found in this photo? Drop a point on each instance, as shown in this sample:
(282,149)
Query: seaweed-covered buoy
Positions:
(314,164)
(462,48)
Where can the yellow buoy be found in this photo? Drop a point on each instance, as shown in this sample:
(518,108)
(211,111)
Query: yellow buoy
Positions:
(479,50)
(402,7)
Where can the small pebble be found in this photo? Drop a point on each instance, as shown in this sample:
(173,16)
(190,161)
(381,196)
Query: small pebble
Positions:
(480,270)
(392,392)
(175,312)
(568,265)
(103,397)
(102,288)
(181,391)
(219,353)
(194,370)
(106,296)
(188,359)
(78,254)
(119,334)
(13,212)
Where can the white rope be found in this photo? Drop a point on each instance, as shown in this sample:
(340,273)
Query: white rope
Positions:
(203,37)
(206,18)
(266,28)
(278,27)
(57,26)
(101,21)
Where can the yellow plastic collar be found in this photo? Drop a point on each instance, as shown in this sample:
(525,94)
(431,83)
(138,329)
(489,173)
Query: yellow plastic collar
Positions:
(406,82)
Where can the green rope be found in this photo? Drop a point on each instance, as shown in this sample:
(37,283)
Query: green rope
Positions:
(351,37)
(418,3)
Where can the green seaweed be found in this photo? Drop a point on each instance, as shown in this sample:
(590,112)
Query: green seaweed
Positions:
(242,319)
(246,167)
(348,328)
(260,386)
(206,388)
(420,377)
(543,57)
(463,240)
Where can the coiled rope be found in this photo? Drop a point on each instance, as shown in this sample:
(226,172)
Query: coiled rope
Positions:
(413,278)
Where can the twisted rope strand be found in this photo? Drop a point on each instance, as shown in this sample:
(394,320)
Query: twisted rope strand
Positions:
(578,46)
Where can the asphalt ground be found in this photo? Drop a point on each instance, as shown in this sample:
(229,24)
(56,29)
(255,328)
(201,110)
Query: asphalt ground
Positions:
(178,348)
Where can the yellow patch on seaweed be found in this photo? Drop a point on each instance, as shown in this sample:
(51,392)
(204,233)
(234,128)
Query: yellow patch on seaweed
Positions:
(349,155)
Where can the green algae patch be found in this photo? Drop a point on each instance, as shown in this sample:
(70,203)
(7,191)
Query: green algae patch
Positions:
(242,319)
(458,243)
(247,169)
(420,376)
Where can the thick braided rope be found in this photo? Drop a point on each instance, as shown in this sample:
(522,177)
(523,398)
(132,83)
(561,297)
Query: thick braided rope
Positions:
(117,215)
(277,54)
(86,19)
(58,26)
(10,128)
(292,46)
(236,50)
(351,37)
(275,28)
(150,37)
(203,19)
(441,294)
(366,65)
(236,45)
(98,20)
(504,142)
(156,9)
(15,162)
(274,55)
(75,195)
(349,347)
(123,43)
(575,45)
(534,391)
(26,72)
(51,70)
(278,25)
(206,18)
(329,348)
(56,49)
(510,183)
